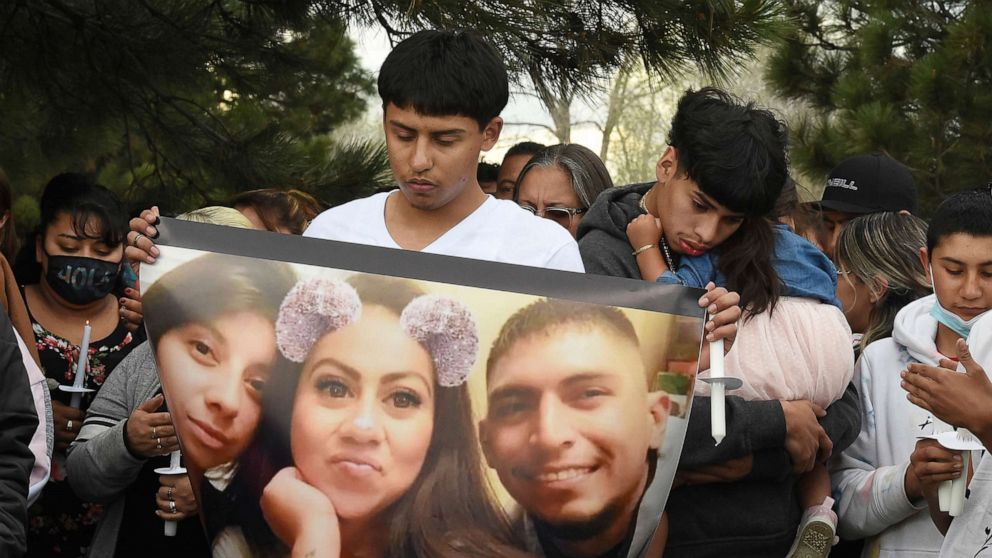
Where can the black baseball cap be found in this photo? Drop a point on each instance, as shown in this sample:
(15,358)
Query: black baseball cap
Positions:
(869,184)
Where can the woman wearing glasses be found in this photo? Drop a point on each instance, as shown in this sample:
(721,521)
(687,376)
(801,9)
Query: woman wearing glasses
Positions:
(560,182)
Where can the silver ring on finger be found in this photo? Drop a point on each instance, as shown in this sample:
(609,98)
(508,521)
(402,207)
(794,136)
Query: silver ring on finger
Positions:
(158,443)
(169,494)
(172,507)
(134,241)
(154,432)
(68,425)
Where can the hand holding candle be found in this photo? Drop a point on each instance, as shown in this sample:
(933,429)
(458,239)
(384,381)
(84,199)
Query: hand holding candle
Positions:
(78,387)
(965,442)
(169,499)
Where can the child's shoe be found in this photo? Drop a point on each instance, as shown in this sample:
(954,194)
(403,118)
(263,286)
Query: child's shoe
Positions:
(816,534)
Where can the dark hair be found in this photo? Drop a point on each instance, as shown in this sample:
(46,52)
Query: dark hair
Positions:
(586,171)
(968,212)
(443,73)
(210,286)
(94,212)
(488,172)
(292,210)
(548,314)
(524,148)
(736,153)
(806,219)
(8,235)
(421,522)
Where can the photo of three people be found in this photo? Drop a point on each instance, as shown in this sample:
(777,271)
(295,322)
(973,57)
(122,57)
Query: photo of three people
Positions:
(329,411)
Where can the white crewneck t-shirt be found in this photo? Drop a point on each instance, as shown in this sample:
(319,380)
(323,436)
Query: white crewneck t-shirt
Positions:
(498,231)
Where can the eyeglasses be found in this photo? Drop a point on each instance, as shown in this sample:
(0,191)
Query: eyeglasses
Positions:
(561,215)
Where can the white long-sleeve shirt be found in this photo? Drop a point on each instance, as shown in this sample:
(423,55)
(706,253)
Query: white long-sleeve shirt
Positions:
(869,477)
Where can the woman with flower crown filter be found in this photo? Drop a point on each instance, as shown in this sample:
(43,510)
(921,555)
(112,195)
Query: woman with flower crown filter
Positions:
(385,458)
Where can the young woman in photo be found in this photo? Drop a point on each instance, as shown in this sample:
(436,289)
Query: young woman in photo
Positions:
(385,456)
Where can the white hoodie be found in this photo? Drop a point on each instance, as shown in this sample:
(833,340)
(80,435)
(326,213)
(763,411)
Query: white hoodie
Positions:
(868,477)
(970,533)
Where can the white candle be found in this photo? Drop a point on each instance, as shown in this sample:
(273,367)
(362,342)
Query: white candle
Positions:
(175,468)
(959,486)
(718,410)
(84,357)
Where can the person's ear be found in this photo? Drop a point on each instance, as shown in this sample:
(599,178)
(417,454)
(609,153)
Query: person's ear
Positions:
(484,442)
(880,285)
(659,406)
(490,134)
(38,248)
(925,262)
(666,164)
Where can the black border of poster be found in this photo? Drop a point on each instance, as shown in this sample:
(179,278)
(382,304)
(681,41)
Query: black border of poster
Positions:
(596,289)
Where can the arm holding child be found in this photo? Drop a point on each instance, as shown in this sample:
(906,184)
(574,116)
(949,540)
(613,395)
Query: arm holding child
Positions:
(644,234)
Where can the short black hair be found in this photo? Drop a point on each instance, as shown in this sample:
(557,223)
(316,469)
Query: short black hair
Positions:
(547,315)
(488,172)
(443,73)
(524,148)
(968,212)
(734,151)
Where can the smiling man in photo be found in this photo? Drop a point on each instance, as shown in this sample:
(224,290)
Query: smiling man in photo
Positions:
(573,431)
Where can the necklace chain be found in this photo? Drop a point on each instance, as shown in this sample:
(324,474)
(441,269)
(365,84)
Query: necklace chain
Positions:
(661,242)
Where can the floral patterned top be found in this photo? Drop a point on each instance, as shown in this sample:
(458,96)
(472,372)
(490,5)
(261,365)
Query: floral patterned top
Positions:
(60,524)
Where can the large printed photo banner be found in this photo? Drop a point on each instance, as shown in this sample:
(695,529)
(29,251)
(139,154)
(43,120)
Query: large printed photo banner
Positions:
(354,400)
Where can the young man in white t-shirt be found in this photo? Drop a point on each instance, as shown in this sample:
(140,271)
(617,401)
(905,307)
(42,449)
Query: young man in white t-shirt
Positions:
(442,92)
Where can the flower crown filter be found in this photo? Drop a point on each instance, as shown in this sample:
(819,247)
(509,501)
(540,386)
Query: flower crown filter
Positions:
(448,331)
(312,309)
(316,307)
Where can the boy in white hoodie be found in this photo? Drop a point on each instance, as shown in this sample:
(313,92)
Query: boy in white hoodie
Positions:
(879,496)
(964,400)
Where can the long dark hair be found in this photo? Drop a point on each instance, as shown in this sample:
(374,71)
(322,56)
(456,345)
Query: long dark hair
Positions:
(736,153)
(449,510)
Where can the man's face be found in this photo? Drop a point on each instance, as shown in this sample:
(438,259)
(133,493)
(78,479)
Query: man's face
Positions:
(509,170)
(693,222)
(570,423)
(833,223)
(962,273)
(434,158)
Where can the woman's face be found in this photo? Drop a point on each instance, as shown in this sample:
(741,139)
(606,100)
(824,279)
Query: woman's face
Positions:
(549,192)
(60,239)
(214,374)
(856,299)
(364,414)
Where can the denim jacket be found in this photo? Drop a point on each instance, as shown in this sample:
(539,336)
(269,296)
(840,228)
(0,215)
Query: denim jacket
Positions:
(803,270)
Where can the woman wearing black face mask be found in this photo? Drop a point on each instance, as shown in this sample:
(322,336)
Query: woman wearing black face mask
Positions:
(78,255)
